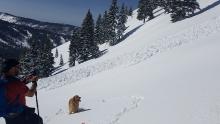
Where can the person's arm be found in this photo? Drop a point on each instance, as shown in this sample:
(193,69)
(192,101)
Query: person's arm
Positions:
(33,89)
(27,79)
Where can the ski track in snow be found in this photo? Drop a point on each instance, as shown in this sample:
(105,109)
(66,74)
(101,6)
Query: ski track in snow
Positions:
(135,103)
(47,119)
(131,58)
(129,104)
(125,105)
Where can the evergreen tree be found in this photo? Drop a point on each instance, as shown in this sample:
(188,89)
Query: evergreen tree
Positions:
(142,10)
(56,54)
(30,58)
(145,9)
(98,36)
(158,3)
(121,23)
(126,10)
(73,49)
(180,9)
(167,5)
(26,62)
(130,12)
(50,58)
(190,6)
(46,61)
(105,26)
(112,23)
(88,48)
(38,58)
(61,60)
(163,4)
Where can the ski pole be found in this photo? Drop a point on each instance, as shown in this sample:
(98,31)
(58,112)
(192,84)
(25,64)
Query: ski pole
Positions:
(38,113)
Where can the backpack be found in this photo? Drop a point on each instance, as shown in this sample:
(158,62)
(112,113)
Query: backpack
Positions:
(5,106)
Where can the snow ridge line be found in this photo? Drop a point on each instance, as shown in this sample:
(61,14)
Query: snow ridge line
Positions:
(131,58)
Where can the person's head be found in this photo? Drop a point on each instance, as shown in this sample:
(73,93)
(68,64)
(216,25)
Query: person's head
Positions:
(11,67)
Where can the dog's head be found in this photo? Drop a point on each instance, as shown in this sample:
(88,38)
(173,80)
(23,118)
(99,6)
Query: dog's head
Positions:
(76,98)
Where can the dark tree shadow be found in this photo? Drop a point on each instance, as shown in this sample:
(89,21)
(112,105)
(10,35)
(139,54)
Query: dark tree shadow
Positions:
(157,15)
(135,29)
(206,8)
(103,52)
(94,56)
(130,33)
(58,68)
(82,110)
(59,72)
(158,10)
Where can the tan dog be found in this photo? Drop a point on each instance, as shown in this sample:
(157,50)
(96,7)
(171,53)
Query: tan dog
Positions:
(74,104)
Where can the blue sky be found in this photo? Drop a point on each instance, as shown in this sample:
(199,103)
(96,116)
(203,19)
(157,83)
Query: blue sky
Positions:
(59,11)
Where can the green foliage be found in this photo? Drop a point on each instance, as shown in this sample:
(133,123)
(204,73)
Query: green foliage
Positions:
(61,60)
(88,49)
(38,57)
(145,10)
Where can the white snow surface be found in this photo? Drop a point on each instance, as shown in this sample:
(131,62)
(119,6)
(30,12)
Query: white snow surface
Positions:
(8,18)
(162,73)
(3,41)
(64,51)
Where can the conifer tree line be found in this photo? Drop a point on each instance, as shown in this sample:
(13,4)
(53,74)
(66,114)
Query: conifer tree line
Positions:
(109,28)
(178,9)
(38,58)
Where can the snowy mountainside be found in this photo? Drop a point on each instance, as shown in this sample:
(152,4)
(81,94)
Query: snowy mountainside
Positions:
(14,38)
(7,18)
(64,51)
(16,31)
(168,36)
(162,72)
(64,29)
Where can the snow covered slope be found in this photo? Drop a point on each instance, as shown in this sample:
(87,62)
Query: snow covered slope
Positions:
(8,18)
(162,73)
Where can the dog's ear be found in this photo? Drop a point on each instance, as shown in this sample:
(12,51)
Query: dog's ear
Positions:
(74,98)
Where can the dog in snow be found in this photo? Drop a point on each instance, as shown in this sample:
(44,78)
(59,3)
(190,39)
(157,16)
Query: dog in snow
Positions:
(74,104)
